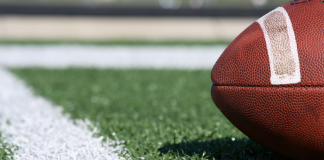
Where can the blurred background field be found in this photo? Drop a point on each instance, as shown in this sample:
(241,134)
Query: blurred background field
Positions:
(128,20)
(164,4)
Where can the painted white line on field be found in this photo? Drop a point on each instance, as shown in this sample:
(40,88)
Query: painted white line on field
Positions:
(62,56)
(41,131)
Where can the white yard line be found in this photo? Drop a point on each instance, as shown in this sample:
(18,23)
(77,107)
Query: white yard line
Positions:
(62,56)
(40,130)
(38,127)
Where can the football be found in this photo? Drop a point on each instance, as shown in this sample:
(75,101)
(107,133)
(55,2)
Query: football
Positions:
(269,82)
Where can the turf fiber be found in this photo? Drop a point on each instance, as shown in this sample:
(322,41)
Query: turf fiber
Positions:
(160,114)
(6,150)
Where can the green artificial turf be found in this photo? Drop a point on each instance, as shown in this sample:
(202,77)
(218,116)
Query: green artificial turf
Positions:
(161,114)
(6,150)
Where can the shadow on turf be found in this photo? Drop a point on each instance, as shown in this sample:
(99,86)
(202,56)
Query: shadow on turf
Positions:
(224,148)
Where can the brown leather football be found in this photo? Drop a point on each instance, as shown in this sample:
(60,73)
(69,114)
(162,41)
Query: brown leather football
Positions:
(269,82)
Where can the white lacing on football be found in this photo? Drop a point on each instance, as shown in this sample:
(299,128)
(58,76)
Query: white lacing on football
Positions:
(282,47)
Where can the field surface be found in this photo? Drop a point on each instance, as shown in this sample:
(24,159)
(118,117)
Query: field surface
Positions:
(157,112)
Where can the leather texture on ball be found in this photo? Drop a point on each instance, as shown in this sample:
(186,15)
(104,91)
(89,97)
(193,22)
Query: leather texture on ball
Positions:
(269,82)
